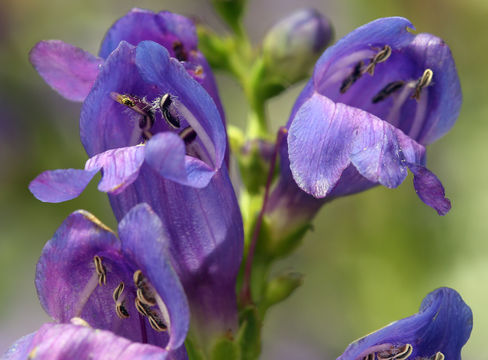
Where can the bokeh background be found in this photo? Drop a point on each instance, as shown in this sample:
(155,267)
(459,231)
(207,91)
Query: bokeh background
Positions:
(371,258)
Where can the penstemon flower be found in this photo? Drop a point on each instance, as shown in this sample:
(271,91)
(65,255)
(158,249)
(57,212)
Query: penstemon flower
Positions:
(126,286)
(146,120)
(375,100)
(437,332)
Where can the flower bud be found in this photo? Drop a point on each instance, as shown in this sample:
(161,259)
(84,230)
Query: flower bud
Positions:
(292,46)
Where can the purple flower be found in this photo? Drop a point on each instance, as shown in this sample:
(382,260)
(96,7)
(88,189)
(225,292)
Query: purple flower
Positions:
(205,227)
(69,341)
(437,332)
(375,100)
(125,286)
(172,124)
(72,71)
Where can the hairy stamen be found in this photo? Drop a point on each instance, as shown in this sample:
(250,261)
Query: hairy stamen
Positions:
(188,135)
(144,289)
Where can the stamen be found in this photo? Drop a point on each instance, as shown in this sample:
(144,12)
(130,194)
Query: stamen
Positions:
(143,309)
(352,78)
(380,57)
(407,351)
(86,293)
(188,135)
(387,91)
(423,82)
(156,322)
(396,353)
(144,291)
(438,356)
(164,105)
(118,290)
(121,311)
(100,269)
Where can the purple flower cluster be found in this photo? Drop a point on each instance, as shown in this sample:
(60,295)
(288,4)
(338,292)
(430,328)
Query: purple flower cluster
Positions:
(153,125)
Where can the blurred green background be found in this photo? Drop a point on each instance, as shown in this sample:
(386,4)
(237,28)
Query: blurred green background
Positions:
(371,258)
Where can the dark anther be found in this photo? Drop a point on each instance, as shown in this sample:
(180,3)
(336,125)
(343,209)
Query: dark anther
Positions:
(164,105)
(156,322)
(352,78)
(188,135)
(143,309)
(396,353)
(179,51)
(100,269)
(423,82)
(387,91)
(121,311)
(118,291)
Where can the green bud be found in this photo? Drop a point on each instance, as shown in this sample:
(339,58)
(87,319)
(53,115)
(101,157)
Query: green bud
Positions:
(293,45)
(281,287)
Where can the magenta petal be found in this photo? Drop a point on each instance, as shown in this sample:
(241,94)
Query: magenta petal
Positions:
(61,185)
(67,342)
(120,167)
(429,189)
(165,153)
(319,143)
(68,69)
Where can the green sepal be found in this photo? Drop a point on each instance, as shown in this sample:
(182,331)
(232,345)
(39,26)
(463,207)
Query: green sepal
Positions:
(194,352)
(249,334)
(225,348)
(280,288)
(254,169)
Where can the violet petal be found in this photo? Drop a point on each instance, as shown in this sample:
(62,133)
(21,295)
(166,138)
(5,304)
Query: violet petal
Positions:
(120,167)
(443,323)
(61,185)
(165,153)
(429,189)
(138,25)
(68,69)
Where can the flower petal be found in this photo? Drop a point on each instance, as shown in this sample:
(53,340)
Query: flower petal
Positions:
(120,167)
(20,350)
(61,185)
(429,189)
(319,144)
(66,342)
(68,69)
(445,98)
(145,243)
(68,284)
(138,25)
(443,323)
(205,239)
(165,153)
(201,112)
(391,30)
